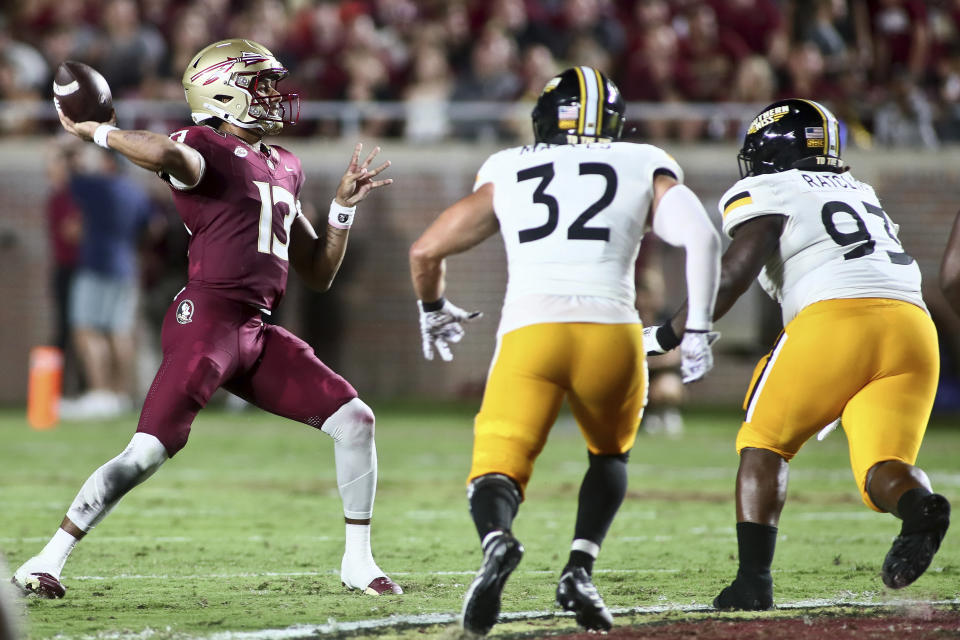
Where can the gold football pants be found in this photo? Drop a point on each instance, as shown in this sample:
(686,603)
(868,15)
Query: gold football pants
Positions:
(600,368)
(872,361)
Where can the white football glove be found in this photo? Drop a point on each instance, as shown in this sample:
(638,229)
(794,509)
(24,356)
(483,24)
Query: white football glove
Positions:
(440,328)
(659,339)
(696,355)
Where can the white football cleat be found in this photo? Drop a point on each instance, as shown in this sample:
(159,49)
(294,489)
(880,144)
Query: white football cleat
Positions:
(367,577)
(42,581)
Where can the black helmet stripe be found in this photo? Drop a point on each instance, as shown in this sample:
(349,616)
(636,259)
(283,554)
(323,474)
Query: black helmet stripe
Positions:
(831,129)
(601,98)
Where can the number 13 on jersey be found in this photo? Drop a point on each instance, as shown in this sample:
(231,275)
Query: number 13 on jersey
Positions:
(267,240)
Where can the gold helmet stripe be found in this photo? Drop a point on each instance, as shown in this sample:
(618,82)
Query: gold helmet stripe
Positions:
(831,129)
(589,103)
(583,92)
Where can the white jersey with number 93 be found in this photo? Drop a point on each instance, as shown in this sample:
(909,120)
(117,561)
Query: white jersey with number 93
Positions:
(837,241)
(572,216)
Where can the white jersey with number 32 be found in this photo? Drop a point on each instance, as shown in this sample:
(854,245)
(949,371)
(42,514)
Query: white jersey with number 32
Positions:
(837,241)
(572,217)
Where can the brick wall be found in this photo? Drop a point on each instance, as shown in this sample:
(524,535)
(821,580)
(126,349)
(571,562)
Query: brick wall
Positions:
(371,304)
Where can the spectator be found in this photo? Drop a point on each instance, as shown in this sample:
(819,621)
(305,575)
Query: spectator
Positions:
(901,38)
(103,298)
(427,94)
(586,18)
(131,52)
(490,77)
(537,66)
(513,17)
(804,74)
(905,119)
(16,98)
(652,78)
(759,23)
(32,71)
(65,225)
(708,58)
(948,94)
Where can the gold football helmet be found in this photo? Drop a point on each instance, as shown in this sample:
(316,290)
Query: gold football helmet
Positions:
(236,81)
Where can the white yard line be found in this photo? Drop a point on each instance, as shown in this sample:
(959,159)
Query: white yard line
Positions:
(332,627)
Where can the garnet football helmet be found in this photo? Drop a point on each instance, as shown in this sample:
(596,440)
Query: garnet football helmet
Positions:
(236,81)
(579,105)
(791,134)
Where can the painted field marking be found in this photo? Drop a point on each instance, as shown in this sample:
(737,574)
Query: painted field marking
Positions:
(313,631)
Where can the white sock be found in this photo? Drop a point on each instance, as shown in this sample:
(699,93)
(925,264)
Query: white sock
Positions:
(55,554)
(358,568)
(358,542)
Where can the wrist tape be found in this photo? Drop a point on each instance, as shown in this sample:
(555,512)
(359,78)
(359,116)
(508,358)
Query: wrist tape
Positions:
(341,217)
(100,134)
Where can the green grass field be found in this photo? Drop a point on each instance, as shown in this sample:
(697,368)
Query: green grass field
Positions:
(242,531)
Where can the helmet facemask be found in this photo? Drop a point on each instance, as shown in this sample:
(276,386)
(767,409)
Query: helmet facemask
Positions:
(269,108)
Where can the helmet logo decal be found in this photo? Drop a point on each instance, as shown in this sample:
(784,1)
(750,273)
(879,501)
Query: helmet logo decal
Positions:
(221,69)
(814,137)
(768,117)
(567,116)
(552,84)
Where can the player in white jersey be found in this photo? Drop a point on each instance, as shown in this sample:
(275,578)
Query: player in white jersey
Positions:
(572,209)
(858,344)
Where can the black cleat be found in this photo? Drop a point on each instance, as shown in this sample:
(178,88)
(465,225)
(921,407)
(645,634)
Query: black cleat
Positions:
(482,603)
(577,593)
(913,550)
(746,594)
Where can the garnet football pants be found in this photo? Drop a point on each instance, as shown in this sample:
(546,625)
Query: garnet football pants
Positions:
(209,342)
(600,368)
(872,361)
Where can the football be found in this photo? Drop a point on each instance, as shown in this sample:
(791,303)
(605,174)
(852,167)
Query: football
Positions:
(82,93)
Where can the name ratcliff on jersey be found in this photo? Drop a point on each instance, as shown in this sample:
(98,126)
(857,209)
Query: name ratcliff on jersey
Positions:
(572,217)
(239,216)
(837,241)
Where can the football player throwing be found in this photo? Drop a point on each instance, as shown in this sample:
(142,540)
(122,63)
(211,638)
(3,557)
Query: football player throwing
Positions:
(239,199)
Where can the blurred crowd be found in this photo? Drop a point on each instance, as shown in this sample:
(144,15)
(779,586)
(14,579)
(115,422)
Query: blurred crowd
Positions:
(889,68)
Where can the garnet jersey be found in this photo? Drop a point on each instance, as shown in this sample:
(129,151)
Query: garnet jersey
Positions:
(572,217)
(239,216)
(837,241)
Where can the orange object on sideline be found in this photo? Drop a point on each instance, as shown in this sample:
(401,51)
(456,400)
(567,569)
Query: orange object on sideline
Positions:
(43,387)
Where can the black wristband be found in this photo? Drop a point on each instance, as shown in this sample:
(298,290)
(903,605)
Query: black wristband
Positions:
(666,337)
(436,305)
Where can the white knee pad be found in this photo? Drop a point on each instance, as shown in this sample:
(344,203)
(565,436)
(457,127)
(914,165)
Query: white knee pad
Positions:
(351,425)
(104,488)
(352,429)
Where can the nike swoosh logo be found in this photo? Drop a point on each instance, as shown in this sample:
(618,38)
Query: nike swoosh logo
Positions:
(288,168)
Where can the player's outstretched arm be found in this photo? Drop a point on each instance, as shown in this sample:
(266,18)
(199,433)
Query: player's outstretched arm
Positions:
(317,259)
(152,151)
(950,267)
(461,226)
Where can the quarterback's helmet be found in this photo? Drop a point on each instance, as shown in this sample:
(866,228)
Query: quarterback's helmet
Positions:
(579,105)
(236,81)
(791,134)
